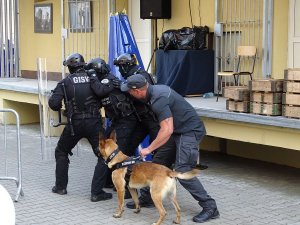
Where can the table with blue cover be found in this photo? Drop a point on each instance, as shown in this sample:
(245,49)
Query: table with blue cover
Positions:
(188,72)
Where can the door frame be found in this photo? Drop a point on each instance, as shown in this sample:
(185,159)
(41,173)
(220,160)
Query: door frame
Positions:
(149,37)
(291,34)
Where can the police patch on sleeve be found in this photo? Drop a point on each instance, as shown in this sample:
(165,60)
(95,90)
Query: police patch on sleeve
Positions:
(104,81)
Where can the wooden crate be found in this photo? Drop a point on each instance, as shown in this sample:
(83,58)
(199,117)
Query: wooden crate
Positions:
(290,99)
(291,87)
(265,109)
(292,74)
(266,85)
(237,106)
(263,97)
(238,93)
(291,111)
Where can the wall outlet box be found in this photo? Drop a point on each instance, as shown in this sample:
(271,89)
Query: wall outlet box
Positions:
(218,29)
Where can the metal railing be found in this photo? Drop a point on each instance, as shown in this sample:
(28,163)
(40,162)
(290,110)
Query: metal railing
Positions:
(18,178)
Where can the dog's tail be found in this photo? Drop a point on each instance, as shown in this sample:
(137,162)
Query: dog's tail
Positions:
(185,176)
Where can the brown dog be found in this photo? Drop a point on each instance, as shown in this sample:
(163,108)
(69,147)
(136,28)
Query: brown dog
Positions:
(161,180)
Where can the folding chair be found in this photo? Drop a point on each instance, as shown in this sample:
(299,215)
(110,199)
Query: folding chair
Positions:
(243,52)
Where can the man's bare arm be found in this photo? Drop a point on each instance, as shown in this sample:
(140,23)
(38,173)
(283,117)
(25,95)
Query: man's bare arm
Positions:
(164,133)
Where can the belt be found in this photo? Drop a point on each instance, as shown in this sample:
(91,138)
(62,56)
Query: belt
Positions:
(82,116)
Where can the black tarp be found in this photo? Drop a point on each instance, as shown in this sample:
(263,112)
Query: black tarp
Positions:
(188,72)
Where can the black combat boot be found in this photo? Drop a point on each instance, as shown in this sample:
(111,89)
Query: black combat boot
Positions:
(206,214)
(101,197)
(59,191)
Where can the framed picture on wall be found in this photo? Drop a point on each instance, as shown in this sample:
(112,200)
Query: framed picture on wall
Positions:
(80,13)
(43,18)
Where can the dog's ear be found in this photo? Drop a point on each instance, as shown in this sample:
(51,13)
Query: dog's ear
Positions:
(101,135)
(102,143)
(113,135)
(101,150)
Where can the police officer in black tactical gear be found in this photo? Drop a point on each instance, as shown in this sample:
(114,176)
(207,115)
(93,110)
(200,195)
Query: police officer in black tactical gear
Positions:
(84,121)
(148,124)
(131,119)
(118,105)
(127,64)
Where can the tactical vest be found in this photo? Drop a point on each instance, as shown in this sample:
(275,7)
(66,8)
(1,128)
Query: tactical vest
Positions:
(83,101)
(117,104)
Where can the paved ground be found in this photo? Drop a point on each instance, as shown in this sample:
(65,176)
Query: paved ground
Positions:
(247,191)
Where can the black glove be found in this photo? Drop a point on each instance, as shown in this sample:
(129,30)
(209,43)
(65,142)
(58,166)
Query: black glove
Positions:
(117,83)
(91,73)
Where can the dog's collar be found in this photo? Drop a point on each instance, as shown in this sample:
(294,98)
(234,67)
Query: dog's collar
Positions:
(112,155)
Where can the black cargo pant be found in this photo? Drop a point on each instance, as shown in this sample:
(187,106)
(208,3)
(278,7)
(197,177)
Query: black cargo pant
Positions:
(83,128)
(131,131)
(147,125)
(124,128)
(182,151)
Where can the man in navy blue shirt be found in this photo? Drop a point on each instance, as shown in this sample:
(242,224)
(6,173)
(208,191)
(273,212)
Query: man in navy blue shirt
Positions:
(180,129)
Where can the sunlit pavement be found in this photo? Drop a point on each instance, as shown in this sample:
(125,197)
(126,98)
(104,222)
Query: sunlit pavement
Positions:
(246,191)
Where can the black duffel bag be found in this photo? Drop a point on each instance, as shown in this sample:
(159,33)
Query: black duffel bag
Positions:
(185,38)
(168,40)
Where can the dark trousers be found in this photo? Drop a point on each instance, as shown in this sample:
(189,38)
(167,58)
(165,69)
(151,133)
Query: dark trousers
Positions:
(125,128)
(147,126)
(182,150)
(131,132)
(83,128)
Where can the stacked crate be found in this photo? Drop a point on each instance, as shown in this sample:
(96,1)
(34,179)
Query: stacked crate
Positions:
(237,98)
(291,97)
(266,96)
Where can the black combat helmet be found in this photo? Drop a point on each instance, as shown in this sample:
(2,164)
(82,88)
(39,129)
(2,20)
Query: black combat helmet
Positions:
(125,59)
(125,62)
(99,65)
(74,62)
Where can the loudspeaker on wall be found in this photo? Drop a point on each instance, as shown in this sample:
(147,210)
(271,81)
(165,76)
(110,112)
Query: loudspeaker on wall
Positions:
(155,9)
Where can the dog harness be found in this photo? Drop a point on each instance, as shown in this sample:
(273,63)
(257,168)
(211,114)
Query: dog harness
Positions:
(112,155)
(129,163)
